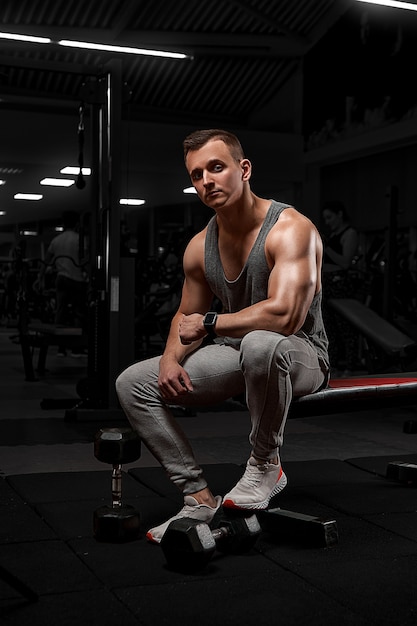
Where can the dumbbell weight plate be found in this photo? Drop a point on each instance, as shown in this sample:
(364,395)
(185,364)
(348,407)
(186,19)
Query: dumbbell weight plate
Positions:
(188,545)
(117,445)
(116,524)
(402,472)
(307,529)
(408,474)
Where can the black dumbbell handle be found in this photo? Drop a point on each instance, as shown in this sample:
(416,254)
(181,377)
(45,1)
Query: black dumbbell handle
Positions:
(228,530)
(220,533)
(236,537)
(116,486)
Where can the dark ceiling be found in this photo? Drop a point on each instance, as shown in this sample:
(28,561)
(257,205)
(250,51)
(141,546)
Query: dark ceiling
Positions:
(244,52)
(247,73)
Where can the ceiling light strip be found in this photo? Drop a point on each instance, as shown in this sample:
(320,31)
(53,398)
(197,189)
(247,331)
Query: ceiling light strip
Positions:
(96,46)
(393,3)
(126,49)
(28,196)
(29,38)
(57,182)
(132,201)
(74,170)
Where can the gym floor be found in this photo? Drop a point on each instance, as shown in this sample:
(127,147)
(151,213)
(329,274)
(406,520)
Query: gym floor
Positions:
(335,465)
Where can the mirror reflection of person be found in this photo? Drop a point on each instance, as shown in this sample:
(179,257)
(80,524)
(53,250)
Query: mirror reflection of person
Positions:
(341,246)
(340,249)
(71,286)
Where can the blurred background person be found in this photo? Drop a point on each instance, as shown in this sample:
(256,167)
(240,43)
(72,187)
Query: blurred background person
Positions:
(71,286)
(341,244)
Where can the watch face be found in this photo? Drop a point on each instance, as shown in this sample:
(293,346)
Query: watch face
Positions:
(210,318)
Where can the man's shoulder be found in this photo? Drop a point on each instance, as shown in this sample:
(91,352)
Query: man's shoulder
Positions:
(291,215)
(292,222)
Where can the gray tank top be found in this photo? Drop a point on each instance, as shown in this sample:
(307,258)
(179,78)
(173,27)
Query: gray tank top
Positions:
(251,285)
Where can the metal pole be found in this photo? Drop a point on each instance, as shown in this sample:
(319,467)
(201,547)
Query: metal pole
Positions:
(112,242)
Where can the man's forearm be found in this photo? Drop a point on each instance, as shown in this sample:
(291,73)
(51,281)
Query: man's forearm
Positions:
(174,348)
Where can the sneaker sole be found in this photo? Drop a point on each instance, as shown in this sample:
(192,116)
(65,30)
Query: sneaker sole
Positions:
(279,486)
(152,539)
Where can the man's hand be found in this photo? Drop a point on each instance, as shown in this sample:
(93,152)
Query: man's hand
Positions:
(191,328)
(173,380)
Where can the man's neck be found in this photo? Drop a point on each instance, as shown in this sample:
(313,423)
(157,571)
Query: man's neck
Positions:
(245,216)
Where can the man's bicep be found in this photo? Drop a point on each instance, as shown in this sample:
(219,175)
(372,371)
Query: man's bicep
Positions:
(196,293)
(294,272)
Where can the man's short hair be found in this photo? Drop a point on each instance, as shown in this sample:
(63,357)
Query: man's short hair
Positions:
(199,138)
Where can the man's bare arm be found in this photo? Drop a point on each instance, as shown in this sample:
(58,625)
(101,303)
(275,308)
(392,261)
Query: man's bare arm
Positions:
(294,254)
(196,297)
(291,289)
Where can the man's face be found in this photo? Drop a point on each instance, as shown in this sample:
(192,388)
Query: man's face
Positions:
(332,220)
(216,175)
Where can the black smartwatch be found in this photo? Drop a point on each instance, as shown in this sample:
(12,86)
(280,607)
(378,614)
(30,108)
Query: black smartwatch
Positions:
(209,323)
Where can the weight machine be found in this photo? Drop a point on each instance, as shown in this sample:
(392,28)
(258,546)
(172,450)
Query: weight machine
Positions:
(109,349)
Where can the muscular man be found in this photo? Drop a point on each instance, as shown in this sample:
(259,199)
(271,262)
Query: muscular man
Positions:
(262,260)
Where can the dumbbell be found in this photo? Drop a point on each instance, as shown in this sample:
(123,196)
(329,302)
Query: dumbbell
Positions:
(119,522)
(189,544)
(402,472)
(307,529)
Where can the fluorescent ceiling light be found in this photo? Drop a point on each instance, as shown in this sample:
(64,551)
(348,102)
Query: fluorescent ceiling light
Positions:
(189,190)
(28,196)
(86,171)
(30,233)
(16,37)
(2,182)
(108,48)
(96,46)
(2,212)
(57,182)
(131,201)
(393,3)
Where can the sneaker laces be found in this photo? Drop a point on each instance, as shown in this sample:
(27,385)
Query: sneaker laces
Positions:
(254,474)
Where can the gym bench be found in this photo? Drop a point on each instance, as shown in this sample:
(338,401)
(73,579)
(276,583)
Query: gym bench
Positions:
(360,393)
(42,336)
(342,395)
(396,345)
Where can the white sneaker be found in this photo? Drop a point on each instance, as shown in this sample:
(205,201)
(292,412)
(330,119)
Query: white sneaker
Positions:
(191,508)
(258,485)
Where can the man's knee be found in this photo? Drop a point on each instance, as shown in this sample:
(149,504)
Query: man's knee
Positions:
(126,380)
(136,378)
(260,348)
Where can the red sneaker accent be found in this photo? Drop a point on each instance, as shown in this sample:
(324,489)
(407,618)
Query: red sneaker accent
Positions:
(230,504)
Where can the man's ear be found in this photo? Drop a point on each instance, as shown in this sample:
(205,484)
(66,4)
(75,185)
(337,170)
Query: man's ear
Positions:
(246,166)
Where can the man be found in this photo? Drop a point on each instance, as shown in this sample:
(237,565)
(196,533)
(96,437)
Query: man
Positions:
(70,284)
(262,260)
